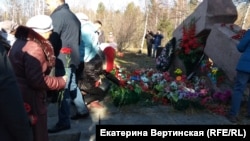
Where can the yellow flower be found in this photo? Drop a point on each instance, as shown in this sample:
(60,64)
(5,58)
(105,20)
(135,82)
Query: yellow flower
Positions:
(214,70)
(178,71)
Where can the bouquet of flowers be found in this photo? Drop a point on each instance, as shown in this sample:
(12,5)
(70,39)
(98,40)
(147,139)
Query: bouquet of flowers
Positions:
(190,47)
(67,52)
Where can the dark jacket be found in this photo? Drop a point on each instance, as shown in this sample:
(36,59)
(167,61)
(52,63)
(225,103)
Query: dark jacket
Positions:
(157,40)
(14,122)
(67,27)
(149,37)
(32,57)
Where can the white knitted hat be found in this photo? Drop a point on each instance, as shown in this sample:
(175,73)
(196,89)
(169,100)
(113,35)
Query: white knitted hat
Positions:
(40,23)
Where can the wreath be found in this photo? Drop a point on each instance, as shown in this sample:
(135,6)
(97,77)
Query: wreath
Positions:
(164,60)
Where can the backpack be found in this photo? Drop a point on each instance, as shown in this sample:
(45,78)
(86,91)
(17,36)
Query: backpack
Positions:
(164,60)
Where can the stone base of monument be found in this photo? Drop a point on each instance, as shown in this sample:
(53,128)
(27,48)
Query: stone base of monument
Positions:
(208,13)
(221,48)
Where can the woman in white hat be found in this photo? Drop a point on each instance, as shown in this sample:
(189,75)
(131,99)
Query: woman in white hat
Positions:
(32,58)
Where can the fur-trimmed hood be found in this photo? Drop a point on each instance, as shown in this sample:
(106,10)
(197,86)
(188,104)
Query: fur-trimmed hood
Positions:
(26,33)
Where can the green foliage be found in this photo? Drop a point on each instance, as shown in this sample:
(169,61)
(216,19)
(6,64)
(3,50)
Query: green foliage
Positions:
(124,96)
(166,27)
(100,11)
(193,3)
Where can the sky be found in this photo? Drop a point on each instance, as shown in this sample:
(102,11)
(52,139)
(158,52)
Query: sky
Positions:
(93,4)
(109,4)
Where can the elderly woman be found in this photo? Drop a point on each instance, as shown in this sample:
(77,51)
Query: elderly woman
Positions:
(32,58)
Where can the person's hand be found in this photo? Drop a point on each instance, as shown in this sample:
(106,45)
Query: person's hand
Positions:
(98,83)
(65,78)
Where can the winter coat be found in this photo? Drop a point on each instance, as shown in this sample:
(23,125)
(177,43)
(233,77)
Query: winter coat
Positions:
(149,38)
(14,122)
(32,58)
(66,26)
(89,42)
(244,48)
(157,40)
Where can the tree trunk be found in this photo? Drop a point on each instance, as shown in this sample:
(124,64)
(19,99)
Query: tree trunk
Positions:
(145,29)
(245,17)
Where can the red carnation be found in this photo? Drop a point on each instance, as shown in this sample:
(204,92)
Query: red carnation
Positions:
(27,107)
(66,50)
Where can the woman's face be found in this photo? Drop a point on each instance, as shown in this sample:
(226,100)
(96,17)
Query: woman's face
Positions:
(46,35)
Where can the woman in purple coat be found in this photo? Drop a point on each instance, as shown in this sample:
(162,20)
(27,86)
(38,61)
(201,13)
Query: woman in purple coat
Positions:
(32,58)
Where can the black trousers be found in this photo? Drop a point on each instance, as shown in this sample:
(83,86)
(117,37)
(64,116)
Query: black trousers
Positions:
(90,74)
(149,49)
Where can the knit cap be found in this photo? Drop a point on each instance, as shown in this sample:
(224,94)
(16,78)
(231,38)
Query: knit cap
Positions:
(40,23)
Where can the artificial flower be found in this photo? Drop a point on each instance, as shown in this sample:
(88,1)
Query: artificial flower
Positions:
(161,87)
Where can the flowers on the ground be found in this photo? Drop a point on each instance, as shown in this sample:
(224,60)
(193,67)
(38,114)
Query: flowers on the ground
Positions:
(178,72)
(215,74)
(222,97)
(155,87)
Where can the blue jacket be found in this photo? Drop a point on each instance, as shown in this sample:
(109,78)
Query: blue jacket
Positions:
(89,42)
(244,48)
(157,40)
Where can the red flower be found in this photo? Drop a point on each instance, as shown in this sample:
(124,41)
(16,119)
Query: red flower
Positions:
(164,101)
(66,50)
(27,107)
(239,35)
(223,24)
(155,99)
(137,72)
(122,83)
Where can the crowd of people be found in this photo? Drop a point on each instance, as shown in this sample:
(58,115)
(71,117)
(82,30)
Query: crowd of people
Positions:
(64,54)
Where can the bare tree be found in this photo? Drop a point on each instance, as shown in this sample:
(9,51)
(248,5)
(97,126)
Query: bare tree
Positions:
(129,27)
(145,26)
(246,15)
